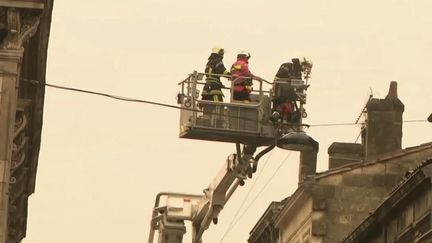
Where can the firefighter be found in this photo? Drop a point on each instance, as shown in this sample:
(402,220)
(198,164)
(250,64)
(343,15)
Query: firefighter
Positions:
(290,70)
(213,86)
(284,71)
(285,104)
(242,77)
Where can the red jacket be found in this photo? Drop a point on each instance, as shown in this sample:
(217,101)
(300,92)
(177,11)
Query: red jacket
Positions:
(240,71)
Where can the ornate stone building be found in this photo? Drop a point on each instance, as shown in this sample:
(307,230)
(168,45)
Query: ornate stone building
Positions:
(404,216)
(24,34)
(327,206)
(265,231)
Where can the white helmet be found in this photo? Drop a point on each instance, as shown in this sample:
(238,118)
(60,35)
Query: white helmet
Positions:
(244,54)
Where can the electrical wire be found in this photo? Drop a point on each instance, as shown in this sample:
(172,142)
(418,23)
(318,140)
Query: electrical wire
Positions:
(256,197)
(115,96)
(358,136)
(407,121)
(333,124)
(127,99)
(122,98)
(415,121)
(249,192)
(352,123)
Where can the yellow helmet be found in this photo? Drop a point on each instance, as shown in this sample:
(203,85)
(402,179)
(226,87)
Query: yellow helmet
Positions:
(218,50)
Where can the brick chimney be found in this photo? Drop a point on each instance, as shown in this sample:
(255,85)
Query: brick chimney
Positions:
(345,153)
(383,132)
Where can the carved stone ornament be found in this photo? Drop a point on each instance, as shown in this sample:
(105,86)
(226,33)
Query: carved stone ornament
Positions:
(21,25)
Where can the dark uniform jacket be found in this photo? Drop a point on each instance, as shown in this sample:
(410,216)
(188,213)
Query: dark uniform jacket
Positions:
(213,84)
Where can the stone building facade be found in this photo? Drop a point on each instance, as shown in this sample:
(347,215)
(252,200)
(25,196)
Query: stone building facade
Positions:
(24,34)
(405,216)
(265,231)
(327,206)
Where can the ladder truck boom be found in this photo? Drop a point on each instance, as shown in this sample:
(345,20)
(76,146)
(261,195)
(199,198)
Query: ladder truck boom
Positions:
(252,124)
(203,209)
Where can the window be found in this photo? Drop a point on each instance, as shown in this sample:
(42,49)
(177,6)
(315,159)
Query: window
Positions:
(421,205)
(423,225)
(391,231)
(401,221)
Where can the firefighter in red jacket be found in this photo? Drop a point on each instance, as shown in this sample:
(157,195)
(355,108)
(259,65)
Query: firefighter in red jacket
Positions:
(242,77)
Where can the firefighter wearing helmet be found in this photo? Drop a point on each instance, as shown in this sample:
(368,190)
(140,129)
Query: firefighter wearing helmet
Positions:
(242,77)
(214,69)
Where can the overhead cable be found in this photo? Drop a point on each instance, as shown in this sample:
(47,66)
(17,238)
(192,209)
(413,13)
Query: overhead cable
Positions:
(256,197)
(127,99)
(122,98)
(248,194)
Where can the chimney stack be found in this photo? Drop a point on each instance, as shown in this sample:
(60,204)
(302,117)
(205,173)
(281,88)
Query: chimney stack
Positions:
(392,94)
(383,132)
(344,153)
(308,162)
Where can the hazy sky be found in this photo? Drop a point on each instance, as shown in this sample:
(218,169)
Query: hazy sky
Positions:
(102,161)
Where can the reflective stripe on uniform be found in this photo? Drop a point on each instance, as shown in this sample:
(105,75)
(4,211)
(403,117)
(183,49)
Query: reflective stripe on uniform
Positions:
(238,67)
(212,80)
(212,92)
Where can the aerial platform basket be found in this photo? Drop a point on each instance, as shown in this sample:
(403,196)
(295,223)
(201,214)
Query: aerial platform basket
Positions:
(234,122)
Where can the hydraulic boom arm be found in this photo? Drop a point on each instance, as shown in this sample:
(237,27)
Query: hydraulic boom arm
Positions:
(201,210)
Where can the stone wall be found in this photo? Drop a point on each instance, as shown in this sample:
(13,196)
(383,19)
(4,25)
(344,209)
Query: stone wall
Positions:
(346,198)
